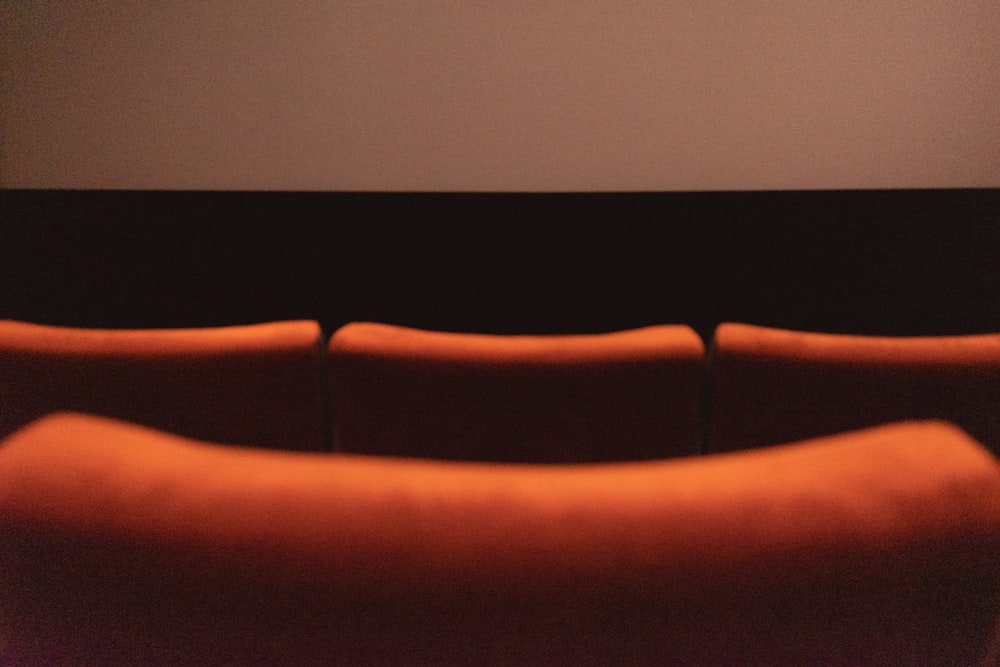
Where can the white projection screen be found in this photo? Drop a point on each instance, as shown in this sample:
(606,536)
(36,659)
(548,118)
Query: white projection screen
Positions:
(488,95)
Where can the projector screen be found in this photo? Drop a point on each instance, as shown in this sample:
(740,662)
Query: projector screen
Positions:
(474,95)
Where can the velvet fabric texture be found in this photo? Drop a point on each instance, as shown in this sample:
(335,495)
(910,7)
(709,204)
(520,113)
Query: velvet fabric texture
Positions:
(771,385)
(250,385)
(124,545)
(576,398)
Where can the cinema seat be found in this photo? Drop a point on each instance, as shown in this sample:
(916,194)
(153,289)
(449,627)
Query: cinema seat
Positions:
(125,545)
(249,385)
(576,398)
(770,386)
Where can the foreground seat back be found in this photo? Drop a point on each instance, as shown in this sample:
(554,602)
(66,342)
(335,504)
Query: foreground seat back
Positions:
(122,545)
(618,396)
(770,386)
(250,385)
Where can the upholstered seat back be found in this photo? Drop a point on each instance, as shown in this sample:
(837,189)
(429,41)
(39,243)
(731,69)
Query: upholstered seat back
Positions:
(123,545)
(254,384)
(770,386)
(619,396)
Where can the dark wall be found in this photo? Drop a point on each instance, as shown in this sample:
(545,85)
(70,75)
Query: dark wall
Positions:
(901,262)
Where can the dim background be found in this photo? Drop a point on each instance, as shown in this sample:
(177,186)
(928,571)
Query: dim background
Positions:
(502,166)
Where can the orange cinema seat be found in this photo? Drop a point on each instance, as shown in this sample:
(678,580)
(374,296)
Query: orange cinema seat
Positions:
(770,385)
(124,545)
(557,399)
(249,385)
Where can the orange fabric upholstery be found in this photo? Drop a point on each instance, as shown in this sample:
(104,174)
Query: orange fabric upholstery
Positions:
(770,386)
(576,398)
(123,545)
(251,385)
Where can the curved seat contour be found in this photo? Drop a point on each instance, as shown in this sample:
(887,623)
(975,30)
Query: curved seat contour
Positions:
(771,385)
(123,545)
(250,385)
(560,398)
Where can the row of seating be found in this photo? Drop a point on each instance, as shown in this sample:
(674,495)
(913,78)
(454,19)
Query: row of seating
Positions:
(380,389)
(122,544)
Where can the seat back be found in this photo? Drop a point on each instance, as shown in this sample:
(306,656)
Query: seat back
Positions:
(770,386)
(574,398)
(123,545)
(250,385)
